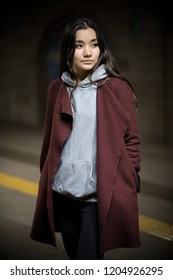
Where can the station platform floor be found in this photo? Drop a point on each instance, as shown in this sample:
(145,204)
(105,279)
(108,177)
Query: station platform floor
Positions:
(19,166)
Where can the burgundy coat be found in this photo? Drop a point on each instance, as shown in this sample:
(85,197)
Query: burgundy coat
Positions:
(118,161)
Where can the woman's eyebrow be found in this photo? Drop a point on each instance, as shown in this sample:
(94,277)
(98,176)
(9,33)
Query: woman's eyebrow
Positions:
(81,41)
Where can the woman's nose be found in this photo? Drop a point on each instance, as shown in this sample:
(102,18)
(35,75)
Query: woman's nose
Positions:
(87,52)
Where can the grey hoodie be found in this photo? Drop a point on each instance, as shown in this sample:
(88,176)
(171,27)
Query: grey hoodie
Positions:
(76,176)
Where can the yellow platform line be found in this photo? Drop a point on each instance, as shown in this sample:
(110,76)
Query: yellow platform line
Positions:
(148,225)
(156,227)
(18,184)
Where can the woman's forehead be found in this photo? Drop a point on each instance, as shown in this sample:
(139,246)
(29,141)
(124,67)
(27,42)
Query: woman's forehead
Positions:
(86,34)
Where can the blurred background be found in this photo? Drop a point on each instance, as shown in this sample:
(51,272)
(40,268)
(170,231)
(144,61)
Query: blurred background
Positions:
(140,36)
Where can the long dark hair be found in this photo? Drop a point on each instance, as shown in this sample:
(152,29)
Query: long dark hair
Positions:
(68,49)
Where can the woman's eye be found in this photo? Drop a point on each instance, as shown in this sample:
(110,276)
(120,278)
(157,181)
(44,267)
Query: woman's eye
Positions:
(78,46)
(94,45)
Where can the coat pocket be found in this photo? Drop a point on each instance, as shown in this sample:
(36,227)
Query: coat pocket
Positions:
(134,174)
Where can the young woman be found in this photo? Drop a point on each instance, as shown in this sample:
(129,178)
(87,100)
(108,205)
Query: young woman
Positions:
(90,156)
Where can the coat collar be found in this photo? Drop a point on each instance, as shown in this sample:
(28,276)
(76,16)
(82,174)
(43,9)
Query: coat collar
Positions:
(63,101)
(63,104)
(102,82)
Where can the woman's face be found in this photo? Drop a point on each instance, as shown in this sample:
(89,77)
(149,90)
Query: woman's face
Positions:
(86,52)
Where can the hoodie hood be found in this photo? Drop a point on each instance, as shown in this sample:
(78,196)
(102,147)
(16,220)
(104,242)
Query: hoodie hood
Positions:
(99,74)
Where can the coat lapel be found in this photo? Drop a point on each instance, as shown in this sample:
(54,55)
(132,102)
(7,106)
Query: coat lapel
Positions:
(63,104)
(61,127)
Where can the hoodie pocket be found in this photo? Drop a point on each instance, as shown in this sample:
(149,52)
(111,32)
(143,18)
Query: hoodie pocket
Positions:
(75,178)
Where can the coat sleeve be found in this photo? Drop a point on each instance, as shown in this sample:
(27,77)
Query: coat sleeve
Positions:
(51,99)
(132,137)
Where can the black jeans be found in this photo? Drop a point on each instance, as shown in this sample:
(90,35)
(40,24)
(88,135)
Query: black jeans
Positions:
(78,223)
